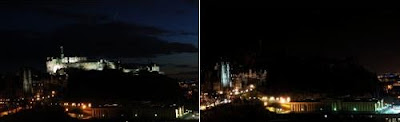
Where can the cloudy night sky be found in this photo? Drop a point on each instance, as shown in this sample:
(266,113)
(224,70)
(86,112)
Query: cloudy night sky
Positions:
(165,32)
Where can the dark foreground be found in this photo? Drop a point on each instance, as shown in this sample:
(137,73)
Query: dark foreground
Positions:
(255,112)
(56,114)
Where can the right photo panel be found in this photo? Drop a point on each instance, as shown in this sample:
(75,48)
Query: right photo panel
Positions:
(299,64)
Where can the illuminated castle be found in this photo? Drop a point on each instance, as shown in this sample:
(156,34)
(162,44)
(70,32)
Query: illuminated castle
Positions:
(55,65)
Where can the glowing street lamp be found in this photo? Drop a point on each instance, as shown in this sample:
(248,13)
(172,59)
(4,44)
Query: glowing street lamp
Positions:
(251,86)
(282,100)
(272,99)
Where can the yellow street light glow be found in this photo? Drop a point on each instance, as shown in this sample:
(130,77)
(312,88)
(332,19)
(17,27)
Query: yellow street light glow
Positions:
(251,86)
(83,106)
(90,105)
(390,87)
(203,107)
(53,92)
(282,100)
(66,109)
(272,98)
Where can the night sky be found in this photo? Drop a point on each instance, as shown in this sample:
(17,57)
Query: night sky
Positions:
(165,32)
(369,35)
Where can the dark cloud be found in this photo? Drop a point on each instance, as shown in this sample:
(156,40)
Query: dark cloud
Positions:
(78,17)
(188,33)
(117,39)
(112,40)
(180,66)
(187,66)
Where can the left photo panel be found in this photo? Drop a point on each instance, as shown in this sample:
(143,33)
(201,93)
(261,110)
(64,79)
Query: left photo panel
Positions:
(100,60)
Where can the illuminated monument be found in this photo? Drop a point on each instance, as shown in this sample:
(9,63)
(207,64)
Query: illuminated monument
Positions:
(225,75)
(27,81)
(56,64)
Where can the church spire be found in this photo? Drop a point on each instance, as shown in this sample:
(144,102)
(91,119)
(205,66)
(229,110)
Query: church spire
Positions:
(62,52)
